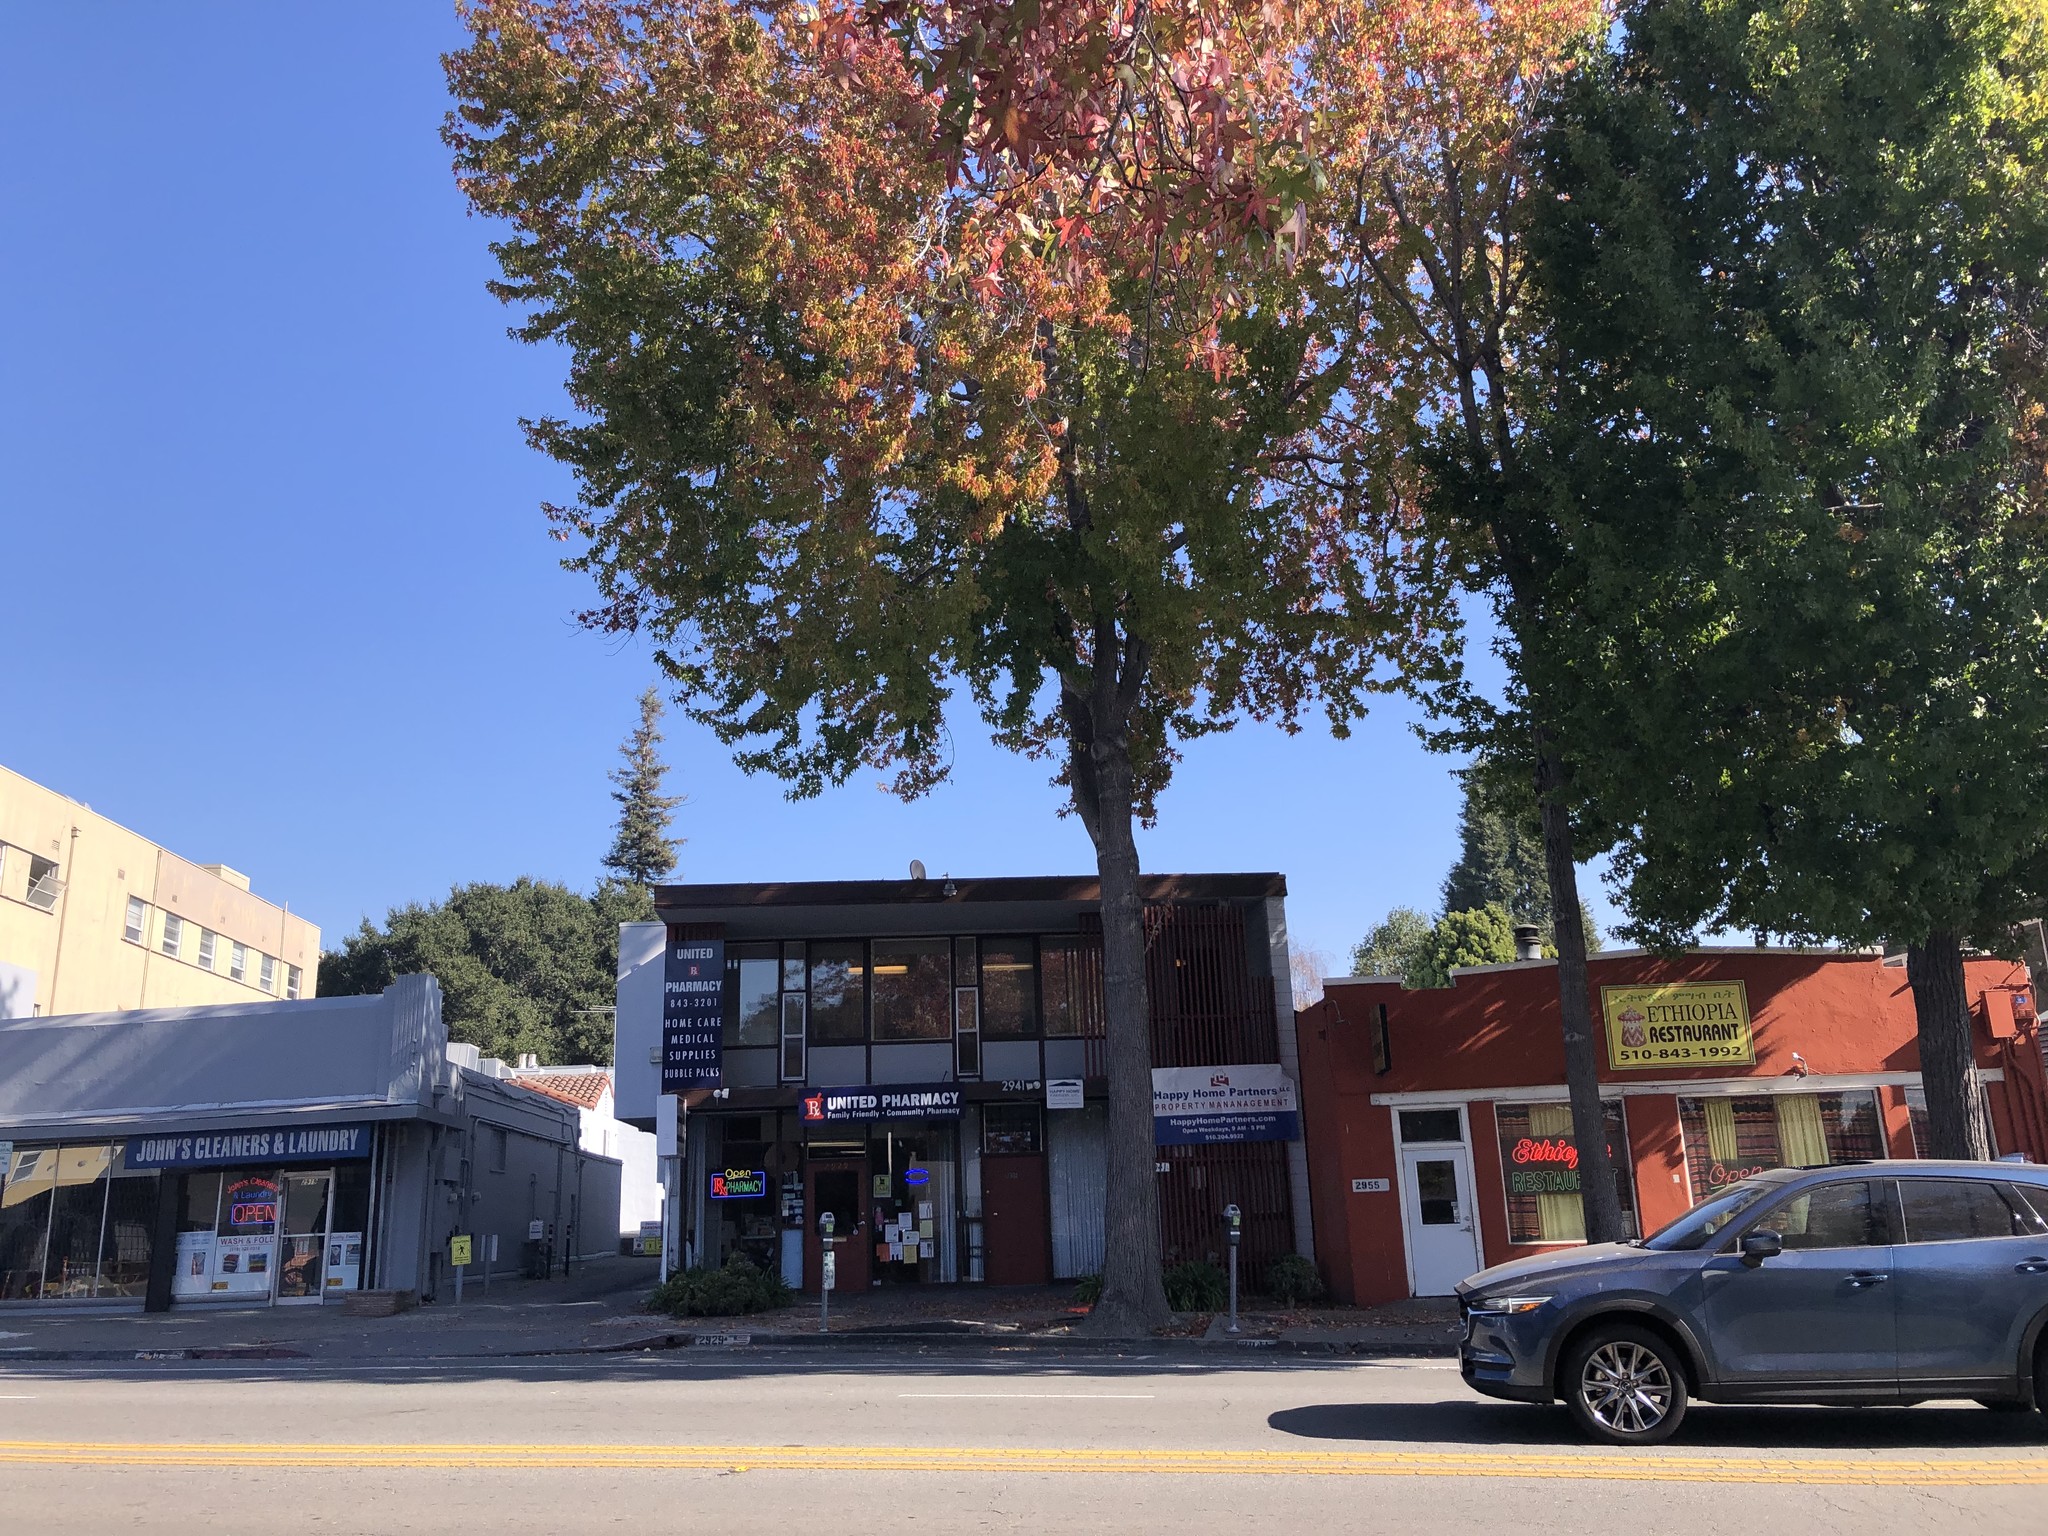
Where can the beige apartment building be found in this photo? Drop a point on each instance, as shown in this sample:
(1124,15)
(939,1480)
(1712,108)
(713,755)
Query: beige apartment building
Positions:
(94,918)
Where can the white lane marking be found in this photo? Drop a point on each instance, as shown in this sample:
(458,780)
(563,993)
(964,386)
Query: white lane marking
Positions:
(1126,1397)
(17,1397)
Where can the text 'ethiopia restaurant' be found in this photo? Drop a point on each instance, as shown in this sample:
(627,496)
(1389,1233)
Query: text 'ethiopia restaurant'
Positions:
(1441,1139)
(923,1059)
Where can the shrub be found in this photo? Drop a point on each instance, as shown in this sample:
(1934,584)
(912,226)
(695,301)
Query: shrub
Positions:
(1196,1286)
(1088,1290)
(1293,1278)
(738,1288)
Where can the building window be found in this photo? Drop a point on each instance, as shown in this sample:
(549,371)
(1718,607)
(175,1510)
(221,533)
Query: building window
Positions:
(793,1033)
(1916,1111)
(1728,1139)
(238,962)
(1540,1167)
(174,934)
(292,977)
(499,1143)
(1061,978)
(1432,1125)
(43,885)
(913,987)
(1009,989)
(966,1032)
(208,940)
(1010,1129)
(266,973)
(753,994)
(136,930)
(839,985)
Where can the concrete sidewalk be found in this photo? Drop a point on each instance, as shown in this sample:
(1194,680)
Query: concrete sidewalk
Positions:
(600,1310)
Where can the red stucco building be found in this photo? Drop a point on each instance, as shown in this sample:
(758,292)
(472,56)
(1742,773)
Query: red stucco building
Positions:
(1438,1132)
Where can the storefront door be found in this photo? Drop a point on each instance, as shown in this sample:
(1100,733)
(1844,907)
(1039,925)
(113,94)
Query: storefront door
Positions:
(303,1247)
(1438,1213)
(1013,1194)
(841,1187)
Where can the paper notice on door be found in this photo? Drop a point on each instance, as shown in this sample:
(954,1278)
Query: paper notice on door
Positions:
(924,1210)
(924,1229)
(924,1249)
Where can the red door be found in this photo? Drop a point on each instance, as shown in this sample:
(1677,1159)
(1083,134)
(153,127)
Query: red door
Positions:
(1018,1236)
(841,1188)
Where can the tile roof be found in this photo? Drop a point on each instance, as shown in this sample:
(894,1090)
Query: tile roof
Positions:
(586,1090)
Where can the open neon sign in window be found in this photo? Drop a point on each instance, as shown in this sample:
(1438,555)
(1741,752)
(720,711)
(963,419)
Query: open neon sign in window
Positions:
(739,1184)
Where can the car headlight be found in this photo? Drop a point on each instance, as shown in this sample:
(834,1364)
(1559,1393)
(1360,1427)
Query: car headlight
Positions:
(1507,1306)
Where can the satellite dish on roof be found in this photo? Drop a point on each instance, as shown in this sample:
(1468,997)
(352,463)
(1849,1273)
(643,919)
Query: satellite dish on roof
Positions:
(917,869)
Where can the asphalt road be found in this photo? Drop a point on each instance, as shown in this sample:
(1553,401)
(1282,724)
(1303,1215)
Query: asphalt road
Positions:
(748,1441)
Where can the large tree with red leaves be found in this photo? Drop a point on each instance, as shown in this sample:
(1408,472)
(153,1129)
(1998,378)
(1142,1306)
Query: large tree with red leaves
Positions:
(1063,354)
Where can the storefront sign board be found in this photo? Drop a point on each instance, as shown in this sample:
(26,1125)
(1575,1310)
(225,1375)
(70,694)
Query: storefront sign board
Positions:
(693,1015)
(891,1101)
(1697,1024)
(1205,1105)
(222,1149)
(1064,1093)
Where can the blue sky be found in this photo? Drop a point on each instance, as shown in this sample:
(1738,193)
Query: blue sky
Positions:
(277,587)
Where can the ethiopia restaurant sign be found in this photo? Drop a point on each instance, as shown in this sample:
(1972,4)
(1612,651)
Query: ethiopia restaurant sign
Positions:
(1700,1024)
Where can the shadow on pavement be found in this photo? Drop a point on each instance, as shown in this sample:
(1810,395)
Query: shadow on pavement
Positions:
(1705,1427)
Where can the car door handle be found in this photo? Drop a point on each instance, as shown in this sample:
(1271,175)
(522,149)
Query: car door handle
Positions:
(2032,1267)
(1866,1277)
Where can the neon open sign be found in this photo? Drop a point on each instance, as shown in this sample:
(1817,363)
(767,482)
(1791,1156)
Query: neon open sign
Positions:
(739,1184)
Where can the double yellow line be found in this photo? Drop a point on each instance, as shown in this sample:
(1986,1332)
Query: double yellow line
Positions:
(1656,1467)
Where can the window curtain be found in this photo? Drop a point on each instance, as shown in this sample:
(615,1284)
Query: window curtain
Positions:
(1559,1218)
(1721,1143)
(1802,1137)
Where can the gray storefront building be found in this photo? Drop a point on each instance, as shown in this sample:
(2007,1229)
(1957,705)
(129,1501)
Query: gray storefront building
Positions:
(277,1153)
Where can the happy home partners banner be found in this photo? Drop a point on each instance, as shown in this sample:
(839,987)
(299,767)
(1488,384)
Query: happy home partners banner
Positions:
(1205,1105)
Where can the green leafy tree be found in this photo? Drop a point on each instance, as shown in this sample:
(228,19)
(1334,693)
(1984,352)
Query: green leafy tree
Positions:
(530,966)
(1394,947)
(642,851)
(1481,936)
(1791,276)
(855,432)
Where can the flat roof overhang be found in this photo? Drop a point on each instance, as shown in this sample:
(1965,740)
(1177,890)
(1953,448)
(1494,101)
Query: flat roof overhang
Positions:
(158,1119)
(1023,903)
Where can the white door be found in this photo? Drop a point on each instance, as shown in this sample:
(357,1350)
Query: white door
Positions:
(1437,1213)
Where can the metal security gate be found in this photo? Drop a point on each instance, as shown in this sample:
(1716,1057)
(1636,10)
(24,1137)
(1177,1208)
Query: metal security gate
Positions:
(1077,1144)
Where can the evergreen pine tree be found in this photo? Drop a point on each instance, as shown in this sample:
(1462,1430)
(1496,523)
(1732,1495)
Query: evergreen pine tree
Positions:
(643,852)
(1500,856)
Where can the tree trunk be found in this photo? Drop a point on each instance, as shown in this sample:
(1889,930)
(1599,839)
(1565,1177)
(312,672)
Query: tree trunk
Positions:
(1948,1061)
(1597,1193)
(1133,1301)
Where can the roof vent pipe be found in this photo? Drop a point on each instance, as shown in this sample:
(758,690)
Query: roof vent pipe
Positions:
(1528,942)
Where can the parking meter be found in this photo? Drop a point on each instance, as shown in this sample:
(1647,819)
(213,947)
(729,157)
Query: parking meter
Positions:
(1233,1231)
(828,1276)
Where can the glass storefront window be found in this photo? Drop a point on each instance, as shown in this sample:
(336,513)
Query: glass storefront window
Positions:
(1729,1139)
(838,991)
(1916,1110)
(1540,1167)
(74,1224)
(1009,989)
(913,989)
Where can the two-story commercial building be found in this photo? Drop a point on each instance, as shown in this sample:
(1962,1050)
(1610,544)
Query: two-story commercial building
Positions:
(924,1060)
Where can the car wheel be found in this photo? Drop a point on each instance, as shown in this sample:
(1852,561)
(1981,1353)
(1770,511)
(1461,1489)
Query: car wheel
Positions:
(1625,1386)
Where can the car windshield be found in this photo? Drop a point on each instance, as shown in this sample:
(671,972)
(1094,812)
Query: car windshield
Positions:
(1699,1226)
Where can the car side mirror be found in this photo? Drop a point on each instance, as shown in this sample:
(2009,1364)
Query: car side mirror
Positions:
(1760,1245)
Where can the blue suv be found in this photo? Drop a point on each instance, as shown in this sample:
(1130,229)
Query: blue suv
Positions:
(1883,1282)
